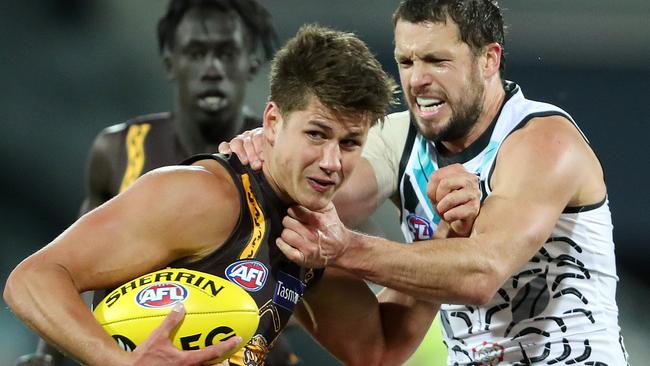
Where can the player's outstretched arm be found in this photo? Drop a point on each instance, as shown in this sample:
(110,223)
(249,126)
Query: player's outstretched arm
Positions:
(359,328)
(316,239)
(541,169)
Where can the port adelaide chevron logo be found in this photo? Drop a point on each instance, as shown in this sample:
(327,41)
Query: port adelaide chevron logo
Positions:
(161,295)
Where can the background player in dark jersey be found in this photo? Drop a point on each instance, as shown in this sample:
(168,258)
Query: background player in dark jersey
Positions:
(326,90)
(210,50)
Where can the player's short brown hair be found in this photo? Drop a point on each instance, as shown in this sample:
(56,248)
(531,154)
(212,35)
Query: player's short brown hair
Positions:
(335,67)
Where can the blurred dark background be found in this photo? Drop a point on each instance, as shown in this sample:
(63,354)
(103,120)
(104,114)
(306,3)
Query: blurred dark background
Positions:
(72,67)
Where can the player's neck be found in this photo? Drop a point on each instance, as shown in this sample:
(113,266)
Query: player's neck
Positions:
(270,175)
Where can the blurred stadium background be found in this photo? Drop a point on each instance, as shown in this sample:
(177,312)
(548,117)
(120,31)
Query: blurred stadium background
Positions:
(72,67)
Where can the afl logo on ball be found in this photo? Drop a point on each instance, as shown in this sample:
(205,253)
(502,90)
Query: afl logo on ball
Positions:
(161,295)
(248,274)
(419,227)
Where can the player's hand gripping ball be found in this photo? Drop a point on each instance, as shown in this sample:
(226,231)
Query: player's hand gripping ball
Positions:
(215,309)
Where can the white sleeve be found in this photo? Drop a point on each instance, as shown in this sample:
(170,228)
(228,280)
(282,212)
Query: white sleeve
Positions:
(383,150)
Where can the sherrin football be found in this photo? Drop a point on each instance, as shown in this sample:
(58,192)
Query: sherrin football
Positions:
(215,309)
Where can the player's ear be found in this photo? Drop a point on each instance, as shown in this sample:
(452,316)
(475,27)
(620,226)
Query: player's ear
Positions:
(272,121)
(168,64)
(253,67)
(491,59)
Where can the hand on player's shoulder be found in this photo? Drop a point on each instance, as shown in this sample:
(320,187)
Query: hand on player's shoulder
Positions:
(247,146)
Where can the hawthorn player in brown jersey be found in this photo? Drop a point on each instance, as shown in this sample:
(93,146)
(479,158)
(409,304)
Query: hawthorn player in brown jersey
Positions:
(210,50)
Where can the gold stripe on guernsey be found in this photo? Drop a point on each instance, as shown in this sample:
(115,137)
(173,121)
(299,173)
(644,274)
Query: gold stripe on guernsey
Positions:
(257,216)
(135,152)
(275,315)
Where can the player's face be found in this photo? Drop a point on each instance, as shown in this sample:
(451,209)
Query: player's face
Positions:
(211,64)
(311,152)
(440,79)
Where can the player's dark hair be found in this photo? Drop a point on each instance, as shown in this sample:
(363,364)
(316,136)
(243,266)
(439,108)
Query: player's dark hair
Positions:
(255,17)
(335,67)
(480,21)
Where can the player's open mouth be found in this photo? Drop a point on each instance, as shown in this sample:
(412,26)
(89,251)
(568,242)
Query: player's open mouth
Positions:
(212,103)
(320,185)
(429,104)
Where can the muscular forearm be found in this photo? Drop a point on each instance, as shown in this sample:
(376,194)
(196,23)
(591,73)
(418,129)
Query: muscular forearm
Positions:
(31,292)
(434,271)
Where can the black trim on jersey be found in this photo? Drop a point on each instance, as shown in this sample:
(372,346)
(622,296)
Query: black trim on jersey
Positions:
(471,151)
(481,185)
(482,142)
(198,157)
(406,155)
(542,114)
(229,161)
(578,209)
(408,147)
(410,199)
(524,121)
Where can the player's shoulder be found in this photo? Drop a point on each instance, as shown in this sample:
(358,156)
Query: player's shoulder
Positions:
(198,191)
(198,201)
(205,175)
(155,120)
(114,135)
(548,143)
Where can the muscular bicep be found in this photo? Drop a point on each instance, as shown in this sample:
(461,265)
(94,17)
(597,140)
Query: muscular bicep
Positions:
(159,219)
